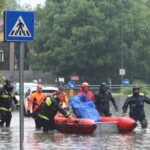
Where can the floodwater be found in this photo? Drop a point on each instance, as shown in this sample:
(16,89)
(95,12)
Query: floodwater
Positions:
(36,140)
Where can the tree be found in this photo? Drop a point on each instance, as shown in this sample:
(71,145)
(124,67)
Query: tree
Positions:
(2,4)
(83,37)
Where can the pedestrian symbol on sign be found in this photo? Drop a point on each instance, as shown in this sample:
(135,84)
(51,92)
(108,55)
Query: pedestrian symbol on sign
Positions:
(20,29)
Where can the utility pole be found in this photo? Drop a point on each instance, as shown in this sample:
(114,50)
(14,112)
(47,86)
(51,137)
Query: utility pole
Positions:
(11,51)
(122,70)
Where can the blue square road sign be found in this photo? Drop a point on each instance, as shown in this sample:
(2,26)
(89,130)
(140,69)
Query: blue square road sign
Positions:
(19,25)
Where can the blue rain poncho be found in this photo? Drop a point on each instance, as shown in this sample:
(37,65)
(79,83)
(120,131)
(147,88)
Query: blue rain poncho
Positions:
(84,108)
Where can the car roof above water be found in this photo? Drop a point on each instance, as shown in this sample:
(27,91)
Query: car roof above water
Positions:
(46,88)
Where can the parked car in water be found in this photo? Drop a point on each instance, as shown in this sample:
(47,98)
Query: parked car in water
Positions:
(48,90)
(27,88)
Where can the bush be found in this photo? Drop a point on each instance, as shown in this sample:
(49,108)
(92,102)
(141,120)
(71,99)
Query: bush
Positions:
(144,88)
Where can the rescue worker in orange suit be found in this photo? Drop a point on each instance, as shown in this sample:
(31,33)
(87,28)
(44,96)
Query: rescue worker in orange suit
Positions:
(63,98)
(85,90)
(102,99)
(34,102)
(48,110)
(6,101)
(136,101)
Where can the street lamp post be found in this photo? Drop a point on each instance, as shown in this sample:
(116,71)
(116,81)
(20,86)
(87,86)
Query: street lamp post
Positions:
(122,33)
(122,70)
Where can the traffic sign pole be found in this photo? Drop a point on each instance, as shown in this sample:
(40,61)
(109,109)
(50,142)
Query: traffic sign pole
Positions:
(21,87)
(19,26)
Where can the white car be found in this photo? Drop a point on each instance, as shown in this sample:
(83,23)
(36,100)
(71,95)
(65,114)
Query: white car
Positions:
(27,88)
(48,90)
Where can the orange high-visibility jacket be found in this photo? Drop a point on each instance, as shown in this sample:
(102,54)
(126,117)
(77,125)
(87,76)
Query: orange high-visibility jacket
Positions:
(89,94)
(64,98)
(36,98)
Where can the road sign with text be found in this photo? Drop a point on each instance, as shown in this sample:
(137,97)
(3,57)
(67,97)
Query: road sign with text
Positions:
(19,25)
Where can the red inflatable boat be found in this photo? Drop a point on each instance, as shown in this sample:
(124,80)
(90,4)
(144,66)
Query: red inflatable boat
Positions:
(88,126)
(124,124)
(74,125)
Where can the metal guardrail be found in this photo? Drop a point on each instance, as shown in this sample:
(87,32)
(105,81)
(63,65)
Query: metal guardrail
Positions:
(113,88)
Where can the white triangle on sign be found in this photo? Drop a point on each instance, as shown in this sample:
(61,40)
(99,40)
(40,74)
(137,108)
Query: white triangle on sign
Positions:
(20,29)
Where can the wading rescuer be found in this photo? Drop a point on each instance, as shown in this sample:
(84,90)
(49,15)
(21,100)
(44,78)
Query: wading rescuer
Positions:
(135,101)
(6,99)
(47,112)
(34,102)
(102,99)
(85,90)
(63,97)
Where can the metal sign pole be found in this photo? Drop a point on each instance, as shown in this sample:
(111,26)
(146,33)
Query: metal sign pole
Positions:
(19,26)
(21,87)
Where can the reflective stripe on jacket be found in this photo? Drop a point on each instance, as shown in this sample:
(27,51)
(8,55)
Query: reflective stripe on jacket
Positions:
(5,109)
(48,102)
(49,109)
(6,100)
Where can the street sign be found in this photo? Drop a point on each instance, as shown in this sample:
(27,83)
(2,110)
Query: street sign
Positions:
(61,79)
(75,77)
(19,25)
(122,72)
(126,82)
(71,85)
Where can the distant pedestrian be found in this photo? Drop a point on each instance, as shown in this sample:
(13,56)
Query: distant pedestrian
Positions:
(63,97)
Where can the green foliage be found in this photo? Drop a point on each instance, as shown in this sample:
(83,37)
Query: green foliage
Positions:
(2,4)
(1,79)
(84,37)
(144,88)
(8,5)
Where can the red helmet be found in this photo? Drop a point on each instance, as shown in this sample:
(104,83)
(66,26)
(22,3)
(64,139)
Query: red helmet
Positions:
(84,84)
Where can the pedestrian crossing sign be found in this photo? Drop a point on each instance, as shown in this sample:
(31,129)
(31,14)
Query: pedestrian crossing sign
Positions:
(19,25)
(20,29)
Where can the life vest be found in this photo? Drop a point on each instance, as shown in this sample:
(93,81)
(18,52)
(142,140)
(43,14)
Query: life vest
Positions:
(64,99)
(88,94)
(35,100)
(49,109)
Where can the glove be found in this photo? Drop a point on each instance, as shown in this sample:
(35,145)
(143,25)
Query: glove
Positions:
(116,108)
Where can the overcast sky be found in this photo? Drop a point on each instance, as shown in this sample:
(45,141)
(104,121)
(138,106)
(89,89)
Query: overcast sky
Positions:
(33,3)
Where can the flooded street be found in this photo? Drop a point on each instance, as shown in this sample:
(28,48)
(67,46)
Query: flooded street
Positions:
(36,140)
